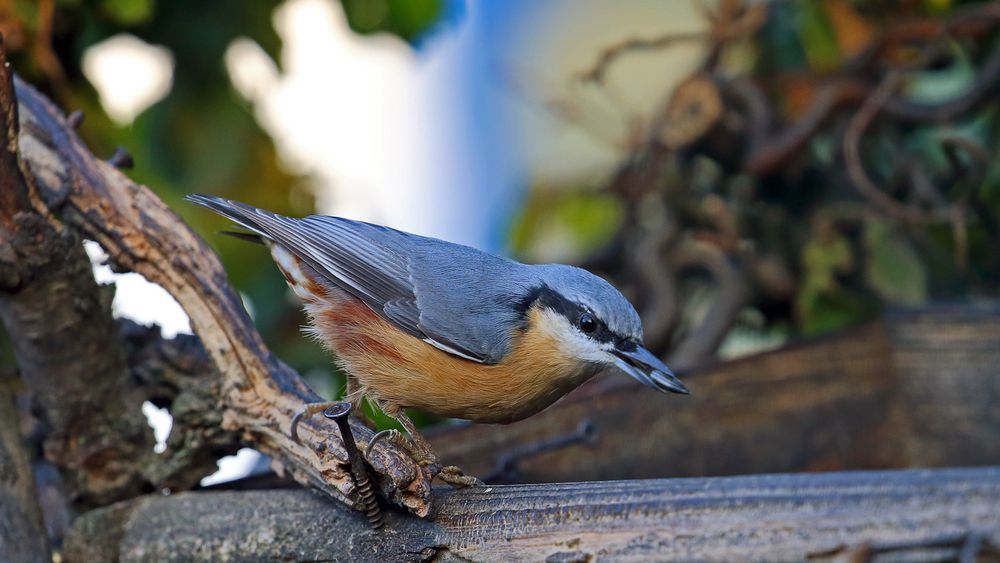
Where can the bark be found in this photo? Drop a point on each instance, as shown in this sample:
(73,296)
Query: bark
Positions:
(177,374)
(946,359)
(73,355)
(771,517)
(22,531)
(62,334)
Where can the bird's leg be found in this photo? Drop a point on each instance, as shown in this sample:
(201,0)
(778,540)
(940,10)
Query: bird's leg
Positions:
(422,451)
(451,474)
(355,393)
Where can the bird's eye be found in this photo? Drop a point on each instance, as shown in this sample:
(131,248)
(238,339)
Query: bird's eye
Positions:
(587,323)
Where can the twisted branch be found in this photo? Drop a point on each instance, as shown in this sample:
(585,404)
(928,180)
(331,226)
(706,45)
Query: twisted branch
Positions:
(258,394)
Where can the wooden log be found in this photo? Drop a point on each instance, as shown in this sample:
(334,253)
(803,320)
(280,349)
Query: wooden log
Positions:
(755,518)
(821,405)
(919,388)
(947,361)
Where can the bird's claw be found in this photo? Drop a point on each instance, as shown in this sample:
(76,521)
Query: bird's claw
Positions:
(454,476)
(307,411)
(419,450)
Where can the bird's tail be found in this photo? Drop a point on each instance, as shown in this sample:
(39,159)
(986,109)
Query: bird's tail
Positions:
(242,214)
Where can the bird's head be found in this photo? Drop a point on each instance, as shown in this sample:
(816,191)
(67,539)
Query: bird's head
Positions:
(594,323)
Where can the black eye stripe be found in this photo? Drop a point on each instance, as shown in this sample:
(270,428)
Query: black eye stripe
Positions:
(544,296)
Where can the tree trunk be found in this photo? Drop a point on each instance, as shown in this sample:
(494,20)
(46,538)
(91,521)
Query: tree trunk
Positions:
(22,533)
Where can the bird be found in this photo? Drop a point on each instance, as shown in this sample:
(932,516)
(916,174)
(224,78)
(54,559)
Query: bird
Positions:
(418,322)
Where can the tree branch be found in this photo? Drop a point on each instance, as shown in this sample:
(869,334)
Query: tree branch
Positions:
(177,374)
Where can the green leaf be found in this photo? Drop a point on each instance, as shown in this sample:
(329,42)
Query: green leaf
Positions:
(893,268)
(819,39)
(822,304)
(821,259)
(129,12)
(825,312)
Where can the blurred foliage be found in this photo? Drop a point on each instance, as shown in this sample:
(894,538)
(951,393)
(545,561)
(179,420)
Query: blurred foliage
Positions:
(815,251)
(409,19)
(566,225)
(202,137)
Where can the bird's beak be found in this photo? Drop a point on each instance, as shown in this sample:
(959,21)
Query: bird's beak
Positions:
(647,369)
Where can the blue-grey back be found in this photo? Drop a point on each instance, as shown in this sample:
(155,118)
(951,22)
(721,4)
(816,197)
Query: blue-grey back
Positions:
(465,298)
(457,298)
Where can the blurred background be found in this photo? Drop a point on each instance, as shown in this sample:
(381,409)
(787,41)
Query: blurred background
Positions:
(749,173)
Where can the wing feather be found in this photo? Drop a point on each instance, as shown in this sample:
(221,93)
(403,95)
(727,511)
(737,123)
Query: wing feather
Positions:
(349,255)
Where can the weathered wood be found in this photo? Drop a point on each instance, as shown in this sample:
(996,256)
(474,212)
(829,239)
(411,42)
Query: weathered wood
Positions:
(22,532)
(73,356)
(947,361)
(61,331)
(177,373)
(814,406)
(919,388)
(770,517)
(258,394)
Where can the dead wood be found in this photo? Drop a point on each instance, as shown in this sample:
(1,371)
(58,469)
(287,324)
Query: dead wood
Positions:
(87,377)
(61,331)
(177,373)
(811,407)
(257,394)
(917,389)
(768,517)
(22,532)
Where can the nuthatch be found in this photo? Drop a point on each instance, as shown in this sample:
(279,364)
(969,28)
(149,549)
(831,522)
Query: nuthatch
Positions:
(448,329)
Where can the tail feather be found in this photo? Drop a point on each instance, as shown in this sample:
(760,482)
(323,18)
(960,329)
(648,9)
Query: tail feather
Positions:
(240,213)
(249,237)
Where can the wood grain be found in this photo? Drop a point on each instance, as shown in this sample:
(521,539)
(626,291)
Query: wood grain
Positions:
(757,518)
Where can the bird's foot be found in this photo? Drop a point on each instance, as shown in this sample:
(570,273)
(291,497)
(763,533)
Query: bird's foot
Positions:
(425,457)
(397,438)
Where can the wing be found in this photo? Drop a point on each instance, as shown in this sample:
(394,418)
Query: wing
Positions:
(377,264)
